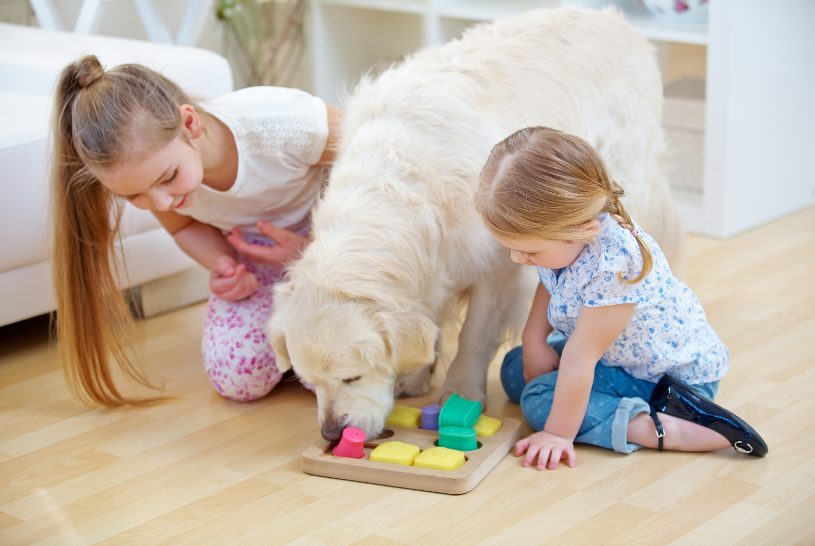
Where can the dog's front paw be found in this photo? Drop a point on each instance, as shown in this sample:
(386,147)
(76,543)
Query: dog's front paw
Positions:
(415,383)
(464,390)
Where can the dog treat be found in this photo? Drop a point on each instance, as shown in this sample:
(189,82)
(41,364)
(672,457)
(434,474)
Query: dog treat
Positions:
(487,426)
(460,438)
(430,417)
(351,444)
(440,458)
(404,416)
(459,412)
(395,453)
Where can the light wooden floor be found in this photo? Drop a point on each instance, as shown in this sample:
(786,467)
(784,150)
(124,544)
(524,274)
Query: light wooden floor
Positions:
(205,470)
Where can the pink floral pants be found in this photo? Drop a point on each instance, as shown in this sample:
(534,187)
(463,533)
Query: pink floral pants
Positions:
(238,358)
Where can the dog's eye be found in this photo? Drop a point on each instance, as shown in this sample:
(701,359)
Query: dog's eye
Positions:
(352,379)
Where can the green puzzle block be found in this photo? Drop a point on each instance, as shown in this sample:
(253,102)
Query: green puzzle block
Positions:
(460,438)
(459,412)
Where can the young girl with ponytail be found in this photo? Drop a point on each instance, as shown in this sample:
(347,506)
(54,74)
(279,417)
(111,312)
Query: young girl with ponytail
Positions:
(616,351)
(232,180)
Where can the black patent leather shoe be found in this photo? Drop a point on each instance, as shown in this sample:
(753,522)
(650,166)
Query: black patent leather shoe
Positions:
(674,398)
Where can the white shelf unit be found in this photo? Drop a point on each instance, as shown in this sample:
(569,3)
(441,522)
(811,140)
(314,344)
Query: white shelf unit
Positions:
(760,118)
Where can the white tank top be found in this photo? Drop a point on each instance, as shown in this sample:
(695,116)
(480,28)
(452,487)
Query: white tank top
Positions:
(280,135)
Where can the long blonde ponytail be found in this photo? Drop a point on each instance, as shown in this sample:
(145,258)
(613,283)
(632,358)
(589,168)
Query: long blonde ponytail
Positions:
(93,118)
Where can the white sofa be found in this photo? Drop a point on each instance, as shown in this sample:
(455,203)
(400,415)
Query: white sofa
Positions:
(30,62)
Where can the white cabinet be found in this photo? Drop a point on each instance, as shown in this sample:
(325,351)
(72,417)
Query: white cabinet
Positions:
(760,114)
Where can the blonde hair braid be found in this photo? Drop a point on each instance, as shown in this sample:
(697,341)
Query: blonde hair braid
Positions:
(618,213)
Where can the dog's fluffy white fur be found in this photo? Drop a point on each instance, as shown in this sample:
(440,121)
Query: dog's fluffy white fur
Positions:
(396,236)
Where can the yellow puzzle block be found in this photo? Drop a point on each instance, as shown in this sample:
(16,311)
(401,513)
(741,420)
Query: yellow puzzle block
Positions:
(404,416)
(395,453)
(487,426)
(440,458)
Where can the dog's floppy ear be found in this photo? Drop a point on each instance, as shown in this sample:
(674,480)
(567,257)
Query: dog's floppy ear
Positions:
(410,339)
(278,340)
(276,327)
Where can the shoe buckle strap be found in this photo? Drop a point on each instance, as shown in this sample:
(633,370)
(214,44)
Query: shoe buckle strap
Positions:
(740,449)
(658,425)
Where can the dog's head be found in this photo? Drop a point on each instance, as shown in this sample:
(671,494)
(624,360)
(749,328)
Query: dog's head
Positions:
(350,347)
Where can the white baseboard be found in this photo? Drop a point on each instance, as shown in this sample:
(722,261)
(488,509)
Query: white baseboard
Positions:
(174,291)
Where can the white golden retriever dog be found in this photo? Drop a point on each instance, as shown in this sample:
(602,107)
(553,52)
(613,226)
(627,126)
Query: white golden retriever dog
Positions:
(396,236)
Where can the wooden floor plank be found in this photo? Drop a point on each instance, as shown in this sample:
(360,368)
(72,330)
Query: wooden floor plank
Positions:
(728,528)
(374,519)
(556,520)
(790,527)
(262,514)
(207,509)
(612,523)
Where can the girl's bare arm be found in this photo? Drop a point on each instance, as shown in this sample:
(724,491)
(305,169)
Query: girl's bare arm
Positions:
(202,242)
(334,120)
(595,331)
(537,324)
(538,357)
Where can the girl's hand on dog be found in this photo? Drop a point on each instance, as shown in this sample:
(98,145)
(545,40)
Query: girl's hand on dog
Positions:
(230,281)
(547,448)
(539,359)
(288,245)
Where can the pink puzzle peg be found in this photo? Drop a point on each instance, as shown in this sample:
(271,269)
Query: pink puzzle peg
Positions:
(351,444)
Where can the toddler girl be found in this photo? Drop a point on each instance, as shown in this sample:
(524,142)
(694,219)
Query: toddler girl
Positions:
(249,163)
(632,361)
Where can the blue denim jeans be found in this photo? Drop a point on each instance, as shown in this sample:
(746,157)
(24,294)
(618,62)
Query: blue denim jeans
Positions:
(616,398)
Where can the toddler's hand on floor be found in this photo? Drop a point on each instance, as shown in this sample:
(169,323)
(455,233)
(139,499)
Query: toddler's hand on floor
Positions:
(231,281)
(548,448)
(288,245)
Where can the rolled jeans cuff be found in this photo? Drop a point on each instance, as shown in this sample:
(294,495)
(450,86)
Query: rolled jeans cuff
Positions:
(626,410)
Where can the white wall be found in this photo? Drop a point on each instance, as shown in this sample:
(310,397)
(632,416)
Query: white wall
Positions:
(761,68)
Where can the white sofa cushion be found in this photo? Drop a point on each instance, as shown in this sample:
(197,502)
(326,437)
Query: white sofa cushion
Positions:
(31,59)
(23,186)
(27,291)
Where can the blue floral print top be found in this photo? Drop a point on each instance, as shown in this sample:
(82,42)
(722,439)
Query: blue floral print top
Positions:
(668,331)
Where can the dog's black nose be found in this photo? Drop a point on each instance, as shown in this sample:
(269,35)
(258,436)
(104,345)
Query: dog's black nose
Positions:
(332,427)
(332,435)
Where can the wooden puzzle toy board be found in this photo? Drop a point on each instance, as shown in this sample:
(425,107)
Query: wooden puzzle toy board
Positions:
(319,461)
